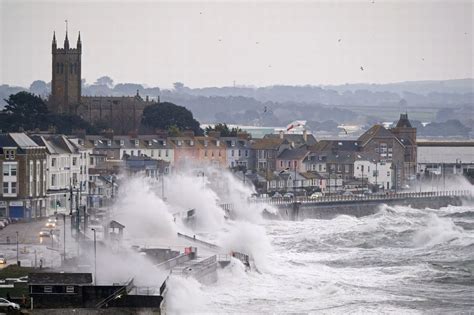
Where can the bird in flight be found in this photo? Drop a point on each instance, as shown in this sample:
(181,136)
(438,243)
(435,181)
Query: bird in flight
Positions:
(339,40)
(361,68)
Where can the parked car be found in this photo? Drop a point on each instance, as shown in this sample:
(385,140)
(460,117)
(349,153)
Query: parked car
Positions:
(2,225)
(5,222)
(289,195)
(277,195)
(316,195)
(50,224)
(5,304)
(3,259)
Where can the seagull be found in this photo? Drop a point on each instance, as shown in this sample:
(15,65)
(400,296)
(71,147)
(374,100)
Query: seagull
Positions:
(423,59)
(200,12)
(257,42)
(339,40)
(361,68)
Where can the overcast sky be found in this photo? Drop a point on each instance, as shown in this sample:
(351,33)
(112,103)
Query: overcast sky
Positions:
(263,43)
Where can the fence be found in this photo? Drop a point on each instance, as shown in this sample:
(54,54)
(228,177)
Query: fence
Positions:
(376,197)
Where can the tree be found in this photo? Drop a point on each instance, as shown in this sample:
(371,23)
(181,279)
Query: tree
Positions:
(105,80)
(26,111)
(165,115)
(39,87)
(224,130)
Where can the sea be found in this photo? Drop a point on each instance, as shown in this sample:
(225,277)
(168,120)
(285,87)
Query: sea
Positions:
(400,260)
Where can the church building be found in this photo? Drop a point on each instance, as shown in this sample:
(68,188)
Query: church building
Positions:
(123,114)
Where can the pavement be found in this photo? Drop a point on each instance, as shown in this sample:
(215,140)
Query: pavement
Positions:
(32,248)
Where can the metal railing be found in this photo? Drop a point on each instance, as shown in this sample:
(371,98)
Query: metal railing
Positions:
(196,267)
(194,239)
(376,197)
(122,290)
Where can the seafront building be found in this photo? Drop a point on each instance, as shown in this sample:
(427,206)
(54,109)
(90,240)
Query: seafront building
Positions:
(40,172)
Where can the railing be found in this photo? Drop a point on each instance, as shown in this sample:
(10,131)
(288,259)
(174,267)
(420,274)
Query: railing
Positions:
(122,290)
(375,197)
(194,239)
(173,262)
(195,268)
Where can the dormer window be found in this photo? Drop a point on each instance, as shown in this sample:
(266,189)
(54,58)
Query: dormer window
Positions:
(137,142)
(164,143)
(179,142)
(9,154)
(109,142)
(205,143)
(218,143)
(232,143)
(191,142)
(122,143)
(96,142)
(150,143)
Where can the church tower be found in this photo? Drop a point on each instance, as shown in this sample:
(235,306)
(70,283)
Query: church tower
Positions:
(66,80)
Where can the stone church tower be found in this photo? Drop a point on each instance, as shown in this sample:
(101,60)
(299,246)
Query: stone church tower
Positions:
(66,80)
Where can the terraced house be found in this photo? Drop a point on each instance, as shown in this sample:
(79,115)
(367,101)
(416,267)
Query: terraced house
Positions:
(22,177)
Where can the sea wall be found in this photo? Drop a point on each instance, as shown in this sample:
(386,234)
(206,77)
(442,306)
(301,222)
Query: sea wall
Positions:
(300,211)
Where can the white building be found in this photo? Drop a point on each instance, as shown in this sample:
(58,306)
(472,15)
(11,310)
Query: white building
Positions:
(66,169)
(376,173)
(449,158)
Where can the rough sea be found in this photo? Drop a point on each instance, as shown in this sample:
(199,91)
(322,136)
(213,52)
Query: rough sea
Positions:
(400,260)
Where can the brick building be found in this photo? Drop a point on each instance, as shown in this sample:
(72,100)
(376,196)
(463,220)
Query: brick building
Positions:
(22,177)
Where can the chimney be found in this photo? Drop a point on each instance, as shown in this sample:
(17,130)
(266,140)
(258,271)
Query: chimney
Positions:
(108,133)
(305,135)
(281,134)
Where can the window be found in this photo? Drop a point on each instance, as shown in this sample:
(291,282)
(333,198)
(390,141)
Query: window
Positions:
(233,143)
(232,153)
(70,289)
(191,142)
(9,154)
(74,161)
(246,153)
(281,163)
(48,289)
(13,188)
(109,143)
(53,179)
(240,153)
(5,187)
(320,167)
(53,162)
(137,142)
(166,153)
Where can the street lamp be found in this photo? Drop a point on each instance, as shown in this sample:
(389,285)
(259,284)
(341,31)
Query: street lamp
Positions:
(95,257)
(17,250)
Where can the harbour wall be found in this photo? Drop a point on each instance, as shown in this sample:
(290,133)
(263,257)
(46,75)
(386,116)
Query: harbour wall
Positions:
(327,210)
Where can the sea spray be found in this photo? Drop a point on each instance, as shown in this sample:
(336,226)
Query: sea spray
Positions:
(249,239)
(143,212)
(185,192)
(184,296)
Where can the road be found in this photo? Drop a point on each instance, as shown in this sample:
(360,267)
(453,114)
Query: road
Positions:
(32,248)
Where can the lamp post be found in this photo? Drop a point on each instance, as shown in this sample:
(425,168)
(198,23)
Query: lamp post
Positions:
(17,250)
(95,257)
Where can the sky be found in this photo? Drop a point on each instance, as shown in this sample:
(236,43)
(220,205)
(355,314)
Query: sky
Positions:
(256,43)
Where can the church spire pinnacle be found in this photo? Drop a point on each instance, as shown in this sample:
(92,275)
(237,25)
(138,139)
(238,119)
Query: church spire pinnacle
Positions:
(66,40)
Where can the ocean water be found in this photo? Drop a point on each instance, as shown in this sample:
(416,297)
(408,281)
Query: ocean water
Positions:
(399,260)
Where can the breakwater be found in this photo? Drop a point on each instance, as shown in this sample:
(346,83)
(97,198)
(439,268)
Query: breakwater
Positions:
(330,206)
